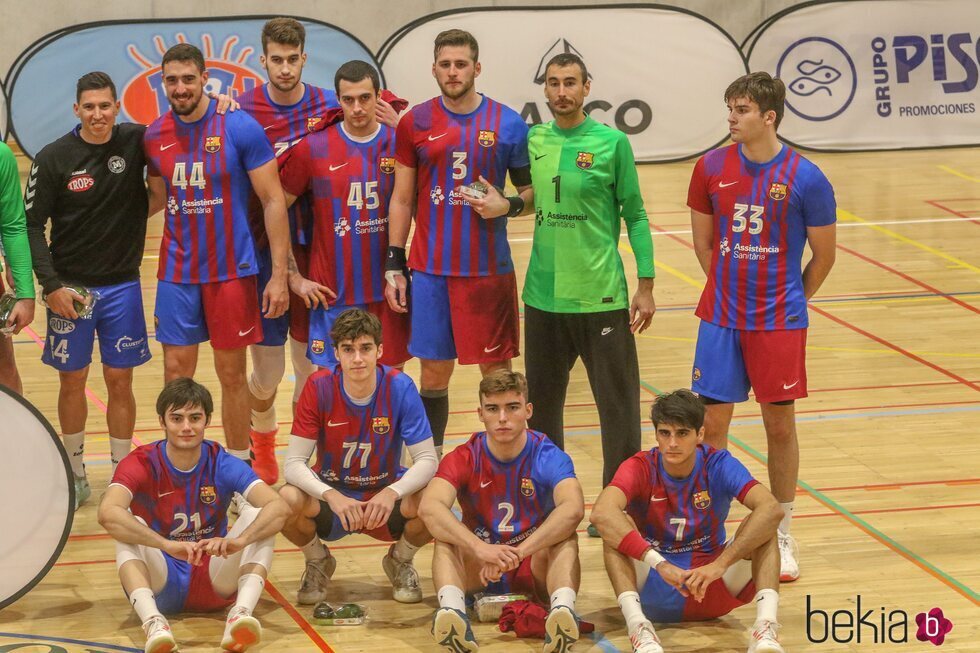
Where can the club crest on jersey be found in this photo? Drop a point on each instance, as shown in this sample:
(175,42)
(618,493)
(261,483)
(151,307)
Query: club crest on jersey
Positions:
(212,144)
(387,164)
(585,160)
(312,121)
(697,374)
(702,500)
(208,494)
(487,138)
(380,425)
(316,346)
(777,191)
(527,487)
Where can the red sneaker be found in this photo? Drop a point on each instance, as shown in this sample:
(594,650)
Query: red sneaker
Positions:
(264,456)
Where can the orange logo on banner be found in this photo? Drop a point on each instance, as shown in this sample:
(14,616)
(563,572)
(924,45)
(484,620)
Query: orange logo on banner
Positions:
(143,97)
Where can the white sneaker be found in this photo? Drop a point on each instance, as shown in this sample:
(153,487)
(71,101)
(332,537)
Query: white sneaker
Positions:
(242,630)
(404,578)
(560,630)
(763,638)
(316,578)
(789,553)
(645,640)
(159,639)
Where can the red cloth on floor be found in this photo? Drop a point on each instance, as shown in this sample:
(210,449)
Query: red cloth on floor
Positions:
(527,618)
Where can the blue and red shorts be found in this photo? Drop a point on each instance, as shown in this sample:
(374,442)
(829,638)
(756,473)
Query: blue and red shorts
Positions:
(224,312)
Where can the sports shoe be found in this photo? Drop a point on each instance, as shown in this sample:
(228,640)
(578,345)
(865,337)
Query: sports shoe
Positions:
(159,639)
(264,461)
(82,490)
(593,531)
(763,638)
(451,630)
(789,568)
(645,640)
(242,630)
(235,505)
(404,578)
(316,577)
(560,630)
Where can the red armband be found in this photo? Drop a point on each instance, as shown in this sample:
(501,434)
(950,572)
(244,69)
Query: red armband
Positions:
(633,545)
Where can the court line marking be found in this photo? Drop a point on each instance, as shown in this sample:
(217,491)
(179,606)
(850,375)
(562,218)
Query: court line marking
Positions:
(947,209)
(847,215)
(68,640)
(861,524)
(963,175)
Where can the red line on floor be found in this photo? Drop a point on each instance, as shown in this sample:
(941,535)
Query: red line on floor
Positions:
(953,211)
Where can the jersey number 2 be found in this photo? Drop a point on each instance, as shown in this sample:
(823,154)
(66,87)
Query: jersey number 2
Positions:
(184,520)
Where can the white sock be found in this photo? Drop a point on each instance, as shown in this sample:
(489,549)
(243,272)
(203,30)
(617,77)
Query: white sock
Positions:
(766,605)
(629,603)
(75,446)
(787,516)
(314,549)
(403,551)
(451,596)
(119,449)
(144,603)
(563,596)
(249,590)
(241,454)
(439,451)
(264,421)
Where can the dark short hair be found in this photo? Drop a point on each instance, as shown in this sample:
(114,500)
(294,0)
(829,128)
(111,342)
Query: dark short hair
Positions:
(354,71)
(762,88)
(679,408)
(454,37)
(284,31)
(184,392)
(500,381)
(184,52)
(568,59)
(94,81)
(354,323)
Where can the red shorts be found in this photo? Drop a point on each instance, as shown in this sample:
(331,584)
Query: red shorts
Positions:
(473,319)
(299,314)
(662,603)
(727,362)
(518,581)
(201,596)
(224,312)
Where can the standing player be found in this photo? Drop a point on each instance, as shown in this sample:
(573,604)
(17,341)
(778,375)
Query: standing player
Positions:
(349,170)
(167,510)
(754,206)
(16,251)
(207,165)
(521,504)
(357,416)
(288,109)
(89,183)
(585,186)
(464,292)
(667,555)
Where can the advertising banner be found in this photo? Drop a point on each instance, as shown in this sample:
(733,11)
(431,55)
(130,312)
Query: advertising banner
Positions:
(876,75)
(658,73)
(41,87)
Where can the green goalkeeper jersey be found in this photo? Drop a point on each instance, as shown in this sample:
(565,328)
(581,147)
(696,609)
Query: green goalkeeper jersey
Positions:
(13,225)
(584,181)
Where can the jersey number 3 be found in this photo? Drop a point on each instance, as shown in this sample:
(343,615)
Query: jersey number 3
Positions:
(754,221)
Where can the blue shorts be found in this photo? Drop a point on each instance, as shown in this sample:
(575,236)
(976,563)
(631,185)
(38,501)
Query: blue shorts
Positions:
(224,312)
(275,331)
(662,603)
(118,320)
(330,529)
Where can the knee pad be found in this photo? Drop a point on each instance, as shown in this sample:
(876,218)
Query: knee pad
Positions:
(302,366)
(268,367)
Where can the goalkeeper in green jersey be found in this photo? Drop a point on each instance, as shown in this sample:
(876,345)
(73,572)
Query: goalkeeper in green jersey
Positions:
(577,303)
(17,253)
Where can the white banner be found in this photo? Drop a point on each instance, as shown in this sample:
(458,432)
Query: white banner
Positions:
(658,74)
(876,75)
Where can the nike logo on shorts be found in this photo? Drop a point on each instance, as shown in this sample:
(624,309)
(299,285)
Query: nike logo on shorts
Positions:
(245,333)
(488,350)
(483,485)
(607,330)
(787,387)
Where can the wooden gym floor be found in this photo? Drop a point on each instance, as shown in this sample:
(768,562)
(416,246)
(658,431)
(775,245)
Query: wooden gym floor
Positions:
(888,504)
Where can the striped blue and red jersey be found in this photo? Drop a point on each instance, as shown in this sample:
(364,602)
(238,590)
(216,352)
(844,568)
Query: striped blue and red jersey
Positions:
(183,505)
(359,448)
(504,502)
(351,184)
(449,150)
(205,166)
(285,126)
(761,214)
(683,515)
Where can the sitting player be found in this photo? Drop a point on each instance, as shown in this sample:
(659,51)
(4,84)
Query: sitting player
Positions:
(670,542)
(357,415)
(521,504)
(167,506)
